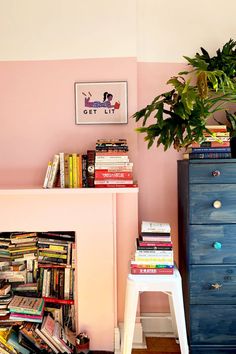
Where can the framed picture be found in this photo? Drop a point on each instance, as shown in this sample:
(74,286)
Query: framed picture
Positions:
(101,102)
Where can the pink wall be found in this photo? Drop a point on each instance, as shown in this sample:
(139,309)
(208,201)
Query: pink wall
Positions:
(38,120)
(157,169)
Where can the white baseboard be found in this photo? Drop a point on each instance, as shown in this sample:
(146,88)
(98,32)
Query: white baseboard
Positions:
(157,324)
(150,325)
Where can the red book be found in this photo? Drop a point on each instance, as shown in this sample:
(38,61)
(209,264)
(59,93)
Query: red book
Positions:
(211,144)
(46,265)
(116,185)
(152,271)
(104,174)
(26,317)
(58,301)
(155,244)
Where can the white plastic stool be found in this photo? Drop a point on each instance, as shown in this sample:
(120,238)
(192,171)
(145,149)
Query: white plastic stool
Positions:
(168,284)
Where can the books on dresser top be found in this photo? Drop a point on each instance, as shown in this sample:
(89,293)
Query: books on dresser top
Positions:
(215,146)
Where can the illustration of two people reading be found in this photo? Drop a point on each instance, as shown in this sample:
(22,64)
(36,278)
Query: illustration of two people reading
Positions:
(106,103)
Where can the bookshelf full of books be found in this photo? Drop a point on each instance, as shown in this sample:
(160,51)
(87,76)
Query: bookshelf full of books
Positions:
(214,146)
(106,166)
(154,250)
(37,292)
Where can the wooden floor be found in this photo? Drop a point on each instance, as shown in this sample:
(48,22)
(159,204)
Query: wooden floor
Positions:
(159,346)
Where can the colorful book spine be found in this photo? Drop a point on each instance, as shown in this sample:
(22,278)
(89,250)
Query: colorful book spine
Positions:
(112,158)
(155,227)
(154,244)
(62,169)
(111,153)
(153,271)
(91,167)
(70,171)
(67,170)
(113,175)
(79,170)
(25,317)
(116,185)
(140,265)
(211,144)
(211,149)
(84,171)
(113,181)
(58,301)
(48,172)
(210,155)
(74,171)
(54,171)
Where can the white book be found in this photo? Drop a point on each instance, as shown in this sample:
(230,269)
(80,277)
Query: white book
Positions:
(47,329)
(48,281)
(153,226)
(113,164)
(113,181)
(109,158)
(48,172)
(44,285)
(60,338)
(67,283)
(62,169)
(54,170)
(46,340)
(113,167)
(157,253)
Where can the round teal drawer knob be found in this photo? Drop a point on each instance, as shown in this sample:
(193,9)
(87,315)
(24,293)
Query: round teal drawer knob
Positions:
(217,245)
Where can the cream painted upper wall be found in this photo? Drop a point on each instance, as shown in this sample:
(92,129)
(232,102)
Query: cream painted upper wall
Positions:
(151,30)
(169,30)
(67,29)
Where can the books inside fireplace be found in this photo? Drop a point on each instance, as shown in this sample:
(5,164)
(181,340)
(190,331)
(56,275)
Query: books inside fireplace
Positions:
(37,268)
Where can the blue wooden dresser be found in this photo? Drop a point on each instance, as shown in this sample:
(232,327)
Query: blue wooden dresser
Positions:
(207,253)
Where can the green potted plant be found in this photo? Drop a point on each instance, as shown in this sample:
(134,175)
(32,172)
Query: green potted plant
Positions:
(179,116)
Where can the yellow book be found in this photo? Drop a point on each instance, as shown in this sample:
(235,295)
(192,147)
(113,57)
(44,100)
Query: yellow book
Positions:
(55,255)
(56,248)
(74,171)
(70,172)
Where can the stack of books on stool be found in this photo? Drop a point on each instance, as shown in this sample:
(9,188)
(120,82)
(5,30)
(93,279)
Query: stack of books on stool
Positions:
(154,250)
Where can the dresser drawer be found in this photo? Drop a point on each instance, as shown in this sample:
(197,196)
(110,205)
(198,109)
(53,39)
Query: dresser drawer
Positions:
(211,324)
(213,349)
(212,244)
(213,284)
(203,199)
(212,172)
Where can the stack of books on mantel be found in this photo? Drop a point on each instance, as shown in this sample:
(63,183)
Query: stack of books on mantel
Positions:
(112,165)
(154,250)
(212,147)
(106,166)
